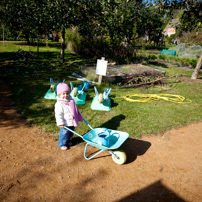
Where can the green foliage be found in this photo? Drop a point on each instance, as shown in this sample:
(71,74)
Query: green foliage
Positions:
(191,16)
(99,47)
(153,56)
(74,40)
(120,21)
(189,13)
(28,18)
(162,57)
(192,38)
(181,61)
(168,40)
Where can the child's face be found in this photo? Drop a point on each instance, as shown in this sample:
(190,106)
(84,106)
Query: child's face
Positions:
(64,95)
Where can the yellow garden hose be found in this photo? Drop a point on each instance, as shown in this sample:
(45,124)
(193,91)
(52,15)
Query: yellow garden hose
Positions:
(153,97)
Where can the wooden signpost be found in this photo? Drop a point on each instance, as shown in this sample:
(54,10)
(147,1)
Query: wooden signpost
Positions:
(101,69)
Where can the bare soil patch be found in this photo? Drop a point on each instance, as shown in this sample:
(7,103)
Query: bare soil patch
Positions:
(164,167)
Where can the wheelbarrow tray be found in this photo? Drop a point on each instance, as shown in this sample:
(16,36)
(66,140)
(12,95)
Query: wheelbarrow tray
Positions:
(116,139)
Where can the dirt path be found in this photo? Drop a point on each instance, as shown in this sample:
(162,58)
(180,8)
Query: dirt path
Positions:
(160,168)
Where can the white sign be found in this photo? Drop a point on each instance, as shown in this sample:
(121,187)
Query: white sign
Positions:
(101,68)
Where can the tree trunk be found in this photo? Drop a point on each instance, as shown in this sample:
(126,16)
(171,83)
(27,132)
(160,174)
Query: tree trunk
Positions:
(46,40)
(62,46)
(37,46)
(197,68)
(27,39)
(3,35)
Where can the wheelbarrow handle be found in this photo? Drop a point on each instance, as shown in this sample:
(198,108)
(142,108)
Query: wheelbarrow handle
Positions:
(87,124)
(73,131)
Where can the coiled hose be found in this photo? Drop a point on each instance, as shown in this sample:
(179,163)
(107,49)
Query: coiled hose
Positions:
(153,97)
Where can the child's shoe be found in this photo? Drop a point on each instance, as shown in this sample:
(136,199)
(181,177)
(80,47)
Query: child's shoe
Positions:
(64,148)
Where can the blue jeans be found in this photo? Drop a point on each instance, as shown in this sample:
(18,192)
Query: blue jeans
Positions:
(64,136)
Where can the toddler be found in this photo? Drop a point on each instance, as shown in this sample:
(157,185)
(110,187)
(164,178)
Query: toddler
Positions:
(66,114)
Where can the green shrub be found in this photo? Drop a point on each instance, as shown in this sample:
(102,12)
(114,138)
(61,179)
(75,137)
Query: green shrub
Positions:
(74,40)
(152,56)
(162,57)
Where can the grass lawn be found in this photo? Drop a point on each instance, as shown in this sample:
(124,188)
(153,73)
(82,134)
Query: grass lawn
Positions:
(30,80)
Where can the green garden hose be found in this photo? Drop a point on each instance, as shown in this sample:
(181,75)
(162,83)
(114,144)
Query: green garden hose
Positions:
(153,97)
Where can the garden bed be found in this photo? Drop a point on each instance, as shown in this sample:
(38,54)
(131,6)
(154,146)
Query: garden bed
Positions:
(125,74)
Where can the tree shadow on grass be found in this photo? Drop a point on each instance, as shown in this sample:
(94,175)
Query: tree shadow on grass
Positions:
(113,104)
(55,56)
(113,123)
(5,56)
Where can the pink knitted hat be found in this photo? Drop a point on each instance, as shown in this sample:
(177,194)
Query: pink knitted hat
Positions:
(62,87)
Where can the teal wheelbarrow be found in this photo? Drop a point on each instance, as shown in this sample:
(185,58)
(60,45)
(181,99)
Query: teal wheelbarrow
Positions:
(105,140)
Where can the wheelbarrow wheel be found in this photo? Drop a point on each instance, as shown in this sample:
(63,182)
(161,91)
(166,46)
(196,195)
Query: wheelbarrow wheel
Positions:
(120,157)
(100,98)
(75,91)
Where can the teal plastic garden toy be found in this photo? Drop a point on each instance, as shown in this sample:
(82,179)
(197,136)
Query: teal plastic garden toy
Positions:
(101,102)
(85,84)
(52,92)
(77,93)
(105,140)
